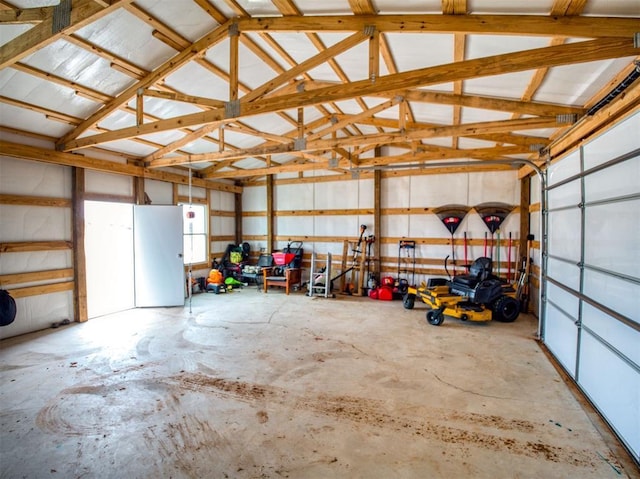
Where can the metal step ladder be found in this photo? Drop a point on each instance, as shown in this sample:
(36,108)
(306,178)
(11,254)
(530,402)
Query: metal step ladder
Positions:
(320,277)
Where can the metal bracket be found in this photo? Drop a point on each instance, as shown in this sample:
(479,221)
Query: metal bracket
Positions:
(234,30)
(61,16)
(355,174)
(232,109)
(369,30)
(636,40)
(569,118)
(333,163)
(300,144)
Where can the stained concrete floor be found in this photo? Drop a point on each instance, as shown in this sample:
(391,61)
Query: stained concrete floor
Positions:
(254,385)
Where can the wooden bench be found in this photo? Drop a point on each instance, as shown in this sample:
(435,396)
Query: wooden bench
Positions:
(292,276)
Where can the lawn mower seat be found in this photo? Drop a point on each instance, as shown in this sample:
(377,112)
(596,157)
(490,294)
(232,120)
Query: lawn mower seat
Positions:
(479,270)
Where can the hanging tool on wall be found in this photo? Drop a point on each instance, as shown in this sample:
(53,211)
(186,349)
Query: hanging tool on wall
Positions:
(497,268)
(493,214)
(522,290)
(509,259)
(466,245)
(451,217)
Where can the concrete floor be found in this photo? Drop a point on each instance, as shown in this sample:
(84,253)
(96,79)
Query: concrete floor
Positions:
(253,385)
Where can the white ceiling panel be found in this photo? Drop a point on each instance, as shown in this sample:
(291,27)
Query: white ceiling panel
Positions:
(9,32)
(394,7)
(472,115)
(123,34)
(165,108)
(184,16)
(31,121)
(537,7)
(78,65)
(613,8)
(412,51)
(510,85)
(194,79)
(577,83)
(39,92)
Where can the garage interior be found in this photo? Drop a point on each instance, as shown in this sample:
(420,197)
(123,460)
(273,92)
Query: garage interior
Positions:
(143,141)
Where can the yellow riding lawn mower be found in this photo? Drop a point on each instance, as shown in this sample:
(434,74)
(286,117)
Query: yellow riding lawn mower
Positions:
(477,296)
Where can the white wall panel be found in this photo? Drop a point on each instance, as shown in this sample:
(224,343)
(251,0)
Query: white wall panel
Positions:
(395,192)
(620,295)
(254,198)
(196,192)
(21,177)
(293,225)
(614,387)
(564,234)
(254,225)
(366,192)
(535,189)
(336,195)
(342,226)
(35,261)
(34,223)
(108,183)
(222,225)
(616,142)
(439,190)
(395,225)
(39,312)
(222,200)
(561,337)
(613,236)
(502,186)
(294,197)
(159,192)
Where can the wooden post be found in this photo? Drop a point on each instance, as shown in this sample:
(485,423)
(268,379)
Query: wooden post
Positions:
(270,216)
(343,264)
(377,217)
(525,220)
(79,259)
(238,211)
(138,190)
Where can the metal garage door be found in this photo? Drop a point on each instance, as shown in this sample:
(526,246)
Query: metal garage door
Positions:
(591,316)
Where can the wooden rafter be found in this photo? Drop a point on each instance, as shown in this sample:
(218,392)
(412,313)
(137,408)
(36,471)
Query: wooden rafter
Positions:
(568,26)
(586,51)
(82,13)
(379,138)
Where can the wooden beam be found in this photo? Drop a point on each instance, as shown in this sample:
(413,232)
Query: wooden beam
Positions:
(16,150)
(34,276)
(79,253)
(34,201)
(25,15)
(269,191)
(83,12)
(468,129)
(499,64)
(28,246)
(234,60)
(194,100)
(568,26)
(42,289)
(162,71)
(306,65)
